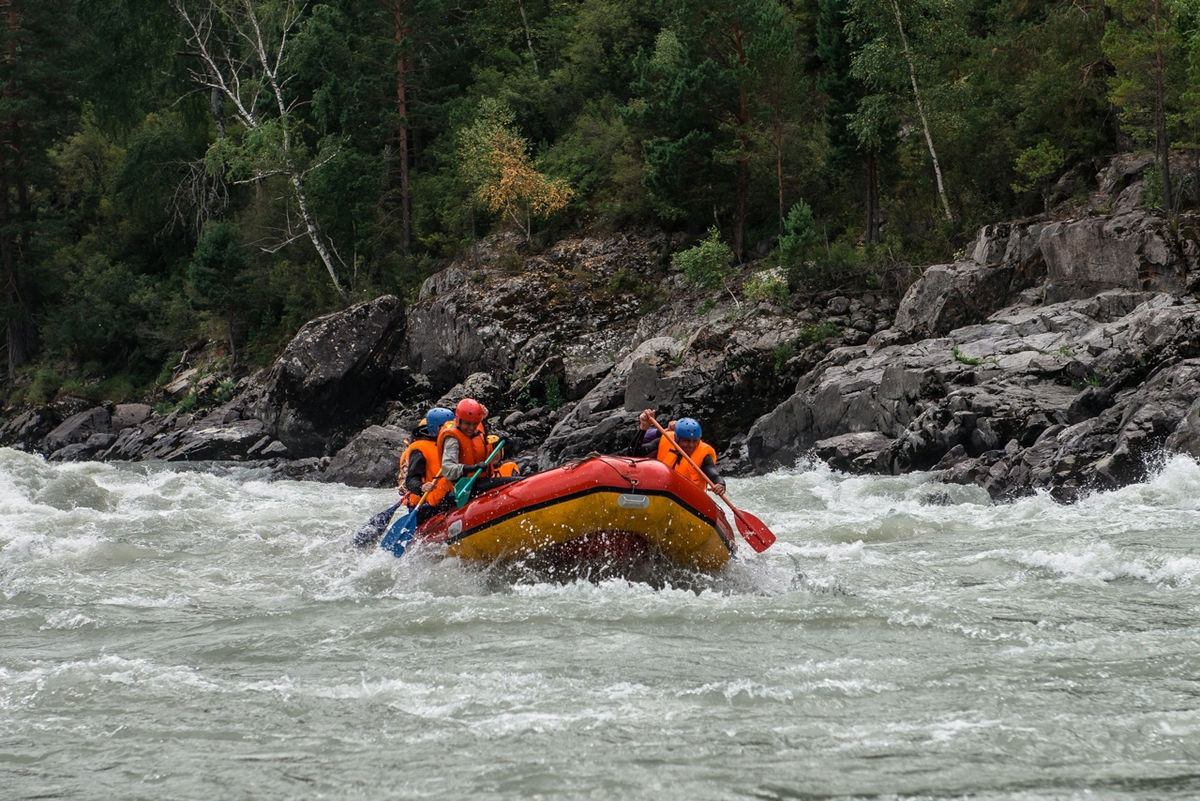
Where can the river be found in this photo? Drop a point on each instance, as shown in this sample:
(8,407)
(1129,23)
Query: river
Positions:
(206,633)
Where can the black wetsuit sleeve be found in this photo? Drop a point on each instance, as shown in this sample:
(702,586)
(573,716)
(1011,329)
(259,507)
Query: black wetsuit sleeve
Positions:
(709,466)
(639,447)
(415,476)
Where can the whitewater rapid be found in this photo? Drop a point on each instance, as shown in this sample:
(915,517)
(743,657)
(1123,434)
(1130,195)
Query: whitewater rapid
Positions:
(205,632)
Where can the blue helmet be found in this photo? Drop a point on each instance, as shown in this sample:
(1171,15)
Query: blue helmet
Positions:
(687,428)
(436,418)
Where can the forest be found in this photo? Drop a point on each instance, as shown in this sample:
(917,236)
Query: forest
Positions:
(183,171)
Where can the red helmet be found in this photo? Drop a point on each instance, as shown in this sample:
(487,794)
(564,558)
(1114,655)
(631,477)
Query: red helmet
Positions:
(468,411)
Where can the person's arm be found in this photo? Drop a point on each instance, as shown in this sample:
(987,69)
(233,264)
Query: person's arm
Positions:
(451,469)
(646,439)
(415,476)
(709,468)
(644,443)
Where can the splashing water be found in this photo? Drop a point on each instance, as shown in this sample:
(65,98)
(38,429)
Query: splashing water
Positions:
(207,633)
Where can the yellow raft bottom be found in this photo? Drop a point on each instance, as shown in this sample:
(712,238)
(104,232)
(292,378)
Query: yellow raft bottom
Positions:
(681,535)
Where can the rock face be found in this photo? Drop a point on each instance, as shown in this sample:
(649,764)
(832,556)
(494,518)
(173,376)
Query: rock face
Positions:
(565,348)
(1053,354)
(337,370)
(1067,396)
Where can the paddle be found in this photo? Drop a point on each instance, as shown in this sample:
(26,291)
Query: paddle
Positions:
(462,488)
(372,530)
(402,531)
(753,530)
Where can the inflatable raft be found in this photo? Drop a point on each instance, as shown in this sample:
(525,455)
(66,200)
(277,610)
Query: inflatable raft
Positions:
(599,508)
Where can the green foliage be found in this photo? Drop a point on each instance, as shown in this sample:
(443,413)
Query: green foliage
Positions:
(117,389)
(554,394)
(1037,167)
(799,236)
(963,358)
(1139,40)
(705,264)
(714,75)
(216,266)
(818,332)
(142,216)
(601,158)
(780,356)
(43,388)
(770,284)
(188,403)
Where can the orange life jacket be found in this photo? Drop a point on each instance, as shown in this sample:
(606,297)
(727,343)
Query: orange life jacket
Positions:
(673,457)
(508,469)
(433,466)
(471,450)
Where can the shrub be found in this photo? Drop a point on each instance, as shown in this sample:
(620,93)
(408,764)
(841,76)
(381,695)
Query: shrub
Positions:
(554,394)
(818,332)
(707,263)
(769,284)
(1036,168)
(799,236)
(44,387)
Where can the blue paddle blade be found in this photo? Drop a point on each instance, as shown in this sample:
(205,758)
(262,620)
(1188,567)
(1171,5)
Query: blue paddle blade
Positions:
(373,528)
(400,534)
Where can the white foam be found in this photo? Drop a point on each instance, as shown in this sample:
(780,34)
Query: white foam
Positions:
(735,691)
(1101,562)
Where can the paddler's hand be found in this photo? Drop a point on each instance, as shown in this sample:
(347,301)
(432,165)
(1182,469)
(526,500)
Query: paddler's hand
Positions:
(427,486)
(719,489)
(645,419)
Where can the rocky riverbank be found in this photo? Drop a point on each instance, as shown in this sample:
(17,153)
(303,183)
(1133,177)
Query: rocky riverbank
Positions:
(1059,354)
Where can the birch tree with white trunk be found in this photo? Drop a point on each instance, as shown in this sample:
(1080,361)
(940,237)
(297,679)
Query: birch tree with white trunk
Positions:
(238,49)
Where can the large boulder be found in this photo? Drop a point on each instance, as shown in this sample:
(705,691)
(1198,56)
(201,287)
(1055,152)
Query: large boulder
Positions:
(602,421)
(338,369)
(215,440)
(551,324)
(1137,250)
(78,428)
(1003,261)
(368,460)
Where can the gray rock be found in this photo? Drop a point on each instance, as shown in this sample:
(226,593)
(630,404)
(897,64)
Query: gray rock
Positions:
(859,452)
(337,369)
(128,415)
(78,427)
(369,460)
(1137,251)
(1008,403)
(216,441)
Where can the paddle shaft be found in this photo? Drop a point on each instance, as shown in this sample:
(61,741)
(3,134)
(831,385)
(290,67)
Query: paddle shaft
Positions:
(461,494)
(763,537)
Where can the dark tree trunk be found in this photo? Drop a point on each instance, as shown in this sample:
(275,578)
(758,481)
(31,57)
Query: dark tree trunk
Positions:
(402,148)
(20,335)
(872,228)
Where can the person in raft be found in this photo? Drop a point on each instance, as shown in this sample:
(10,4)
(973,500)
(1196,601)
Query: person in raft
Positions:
(504,469)
(686,433)
(420,464)
(463,450)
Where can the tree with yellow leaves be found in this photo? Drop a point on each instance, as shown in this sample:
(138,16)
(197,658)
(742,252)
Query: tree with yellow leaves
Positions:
(496,165)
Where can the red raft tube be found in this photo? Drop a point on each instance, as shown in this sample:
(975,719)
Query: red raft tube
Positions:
(602,507)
